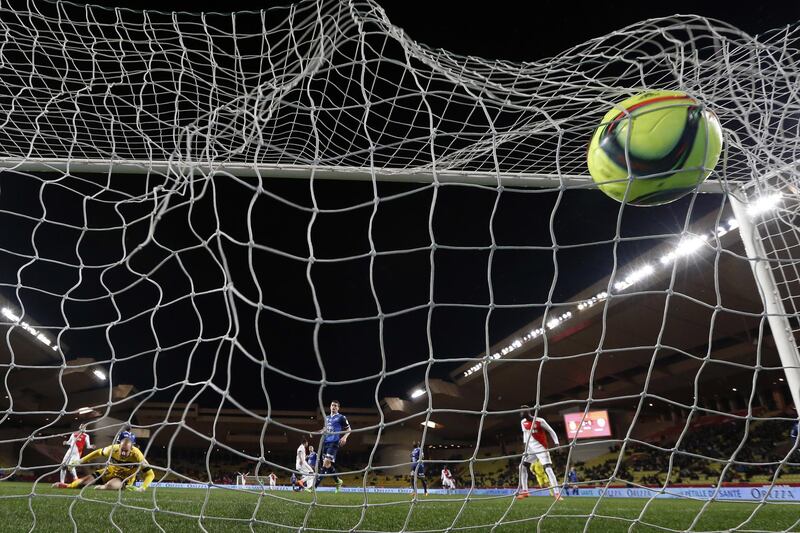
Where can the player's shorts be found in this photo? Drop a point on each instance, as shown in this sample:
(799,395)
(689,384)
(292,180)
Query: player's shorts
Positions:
(303,469)
(537,452)
(127,476)
(329,450)
(71,459)
(419,468)
(449,483)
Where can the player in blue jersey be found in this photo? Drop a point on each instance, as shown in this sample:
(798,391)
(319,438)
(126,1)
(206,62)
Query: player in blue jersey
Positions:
(335,434)
(312,457)
(297,487)
(127,433)
(417,469)
(572,478)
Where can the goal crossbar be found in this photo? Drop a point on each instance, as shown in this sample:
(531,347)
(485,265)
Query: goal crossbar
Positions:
(132,166)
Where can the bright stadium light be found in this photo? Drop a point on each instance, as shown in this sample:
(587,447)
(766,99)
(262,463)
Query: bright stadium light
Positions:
(690,245)
(471,370)
(430,424)
(763,204)
(99,374)
(41,337)
(417,393)
(687,246)
(8,313)
(84,410)
(591,302)
(634,277)
(554,323)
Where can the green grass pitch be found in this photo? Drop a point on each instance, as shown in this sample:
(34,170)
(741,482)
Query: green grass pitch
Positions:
(280,511)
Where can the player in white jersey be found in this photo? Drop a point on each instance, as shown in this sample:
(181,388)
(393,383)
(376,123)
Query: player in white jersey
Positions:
(534,436)
(273,480)
(448,481)
(76,444)
(301,465)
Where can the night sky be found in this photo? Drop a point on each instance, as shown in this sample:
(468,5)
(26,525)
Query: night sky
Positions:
(352,350)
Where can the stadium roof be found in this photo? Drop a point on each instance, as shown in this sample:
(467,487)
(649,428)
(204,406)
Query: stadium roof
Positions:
(41,381)
(706,324)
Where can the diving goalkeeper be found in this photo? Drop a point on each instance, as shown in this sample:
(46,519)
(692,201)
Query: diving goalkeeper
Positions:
(123,462)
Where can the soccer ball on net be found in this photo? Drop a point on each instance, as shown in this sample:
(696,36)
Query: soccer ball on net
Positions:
(656,146)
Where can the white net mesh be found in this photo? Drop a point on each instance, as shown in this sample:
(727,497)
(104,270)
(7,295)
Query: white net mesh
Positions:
(157,271)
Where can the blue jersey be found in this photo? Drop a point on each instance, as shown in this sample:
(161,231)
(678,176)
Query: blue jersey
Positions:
(127,435)
(416,454)
(795,431)
(335,426)
(312,459)
(572,477)
(295,485)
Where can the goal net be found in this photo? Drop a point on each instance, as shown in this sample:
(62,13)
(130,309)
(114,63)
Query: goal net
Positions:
(216,225)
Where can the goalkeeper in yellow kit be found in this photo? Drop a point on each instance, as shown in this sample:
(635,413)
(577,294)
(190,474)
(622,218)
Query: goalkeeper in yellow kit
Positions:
(123,462)
(541,476)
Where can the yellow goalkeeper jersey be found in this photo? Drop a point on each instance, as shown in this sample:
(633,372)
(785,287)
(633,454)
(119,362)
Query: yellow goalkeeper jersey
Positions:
(124,468)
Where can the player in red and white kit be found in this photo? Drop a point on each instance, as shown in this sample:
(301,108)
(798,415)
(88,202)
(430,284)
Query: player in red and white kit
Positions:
(77,443)
(534,435)
(448,482)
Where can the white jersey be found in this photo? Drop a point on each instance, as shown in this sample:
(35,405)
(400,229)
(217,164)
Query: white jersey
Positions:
(533,434)
(447,479)
(272,479)
(74,447)
(301,463)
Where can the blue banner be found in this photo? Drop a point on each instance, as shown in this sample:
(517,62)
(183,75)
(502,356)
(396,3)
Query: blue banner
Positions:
(743,493)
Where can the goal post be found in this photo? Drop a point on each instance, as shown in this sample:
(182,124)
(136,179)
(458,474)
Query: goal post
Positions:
(765,267)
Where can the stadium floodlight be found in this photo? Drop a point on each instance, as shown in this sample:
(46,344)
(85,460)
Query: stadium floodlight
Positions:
(471,370)
(557,321)
(634,277)
(764,203)
(430,424)
(85,410)
(688,246)
(417,393)
(8,313)
(99,374)
(591,302)
(41,337)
